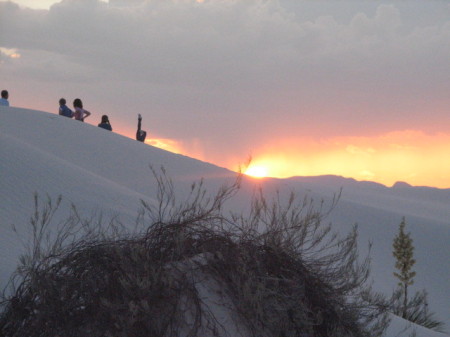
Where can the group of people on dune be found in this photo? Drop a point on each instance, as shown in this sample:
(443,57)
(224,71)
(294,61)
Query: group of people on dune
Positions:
(80,114)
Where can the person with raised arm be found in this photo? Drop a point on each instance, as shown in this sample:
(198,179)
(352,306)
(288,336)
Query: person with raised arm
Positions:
(140,134)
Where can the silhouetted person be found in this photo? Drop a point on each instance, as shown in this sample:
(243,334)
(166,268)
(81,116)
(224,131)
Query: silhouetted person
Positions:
(105,123)
(64,109)
(80,113)
(140,134)
(4,100)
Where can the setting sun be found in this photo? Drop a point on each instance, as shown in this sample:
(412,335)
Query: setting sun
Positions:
(411,156)
(257,171)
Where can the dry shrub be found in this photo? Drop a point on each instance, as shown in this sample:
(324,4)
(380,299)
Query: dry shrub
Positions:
(417,310)
(280,271)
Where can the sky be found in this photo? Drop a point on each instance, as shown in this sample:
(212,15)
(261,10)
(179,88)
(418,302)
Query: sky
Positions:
(352,88)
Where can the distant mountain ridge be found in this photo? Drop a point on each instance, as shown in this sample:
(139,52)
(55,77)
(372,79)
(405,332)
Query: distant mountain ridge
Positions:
(348,181)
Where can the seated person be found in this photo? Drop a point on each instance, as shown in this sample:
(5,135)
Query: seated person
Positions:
(63,109)
(4,100)
(105,123)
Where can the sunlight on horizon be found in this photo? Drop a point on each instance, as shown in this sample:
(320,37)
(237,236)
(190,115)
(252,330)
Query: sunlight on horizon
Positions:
(409,156)
(257,171)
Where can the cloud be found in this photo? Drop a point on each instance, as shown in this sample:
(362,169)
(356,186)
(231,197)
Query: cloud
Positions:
(218,44)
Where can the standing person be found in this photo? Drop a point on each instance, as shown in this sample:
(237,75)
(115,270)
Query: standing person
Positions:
(4,100)
(140,134)
(80,114)
(63,109)
(105,123)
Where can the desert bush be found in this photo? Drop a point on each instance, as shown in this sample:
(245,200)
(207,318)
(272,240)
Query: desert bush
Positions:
(417,310)
(414,309)
(278,271)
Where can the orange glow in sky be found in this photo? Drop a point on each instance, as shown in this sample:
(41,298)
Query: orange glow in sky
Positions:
(411,156)
(257,171)
(165,144)
(12,53)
